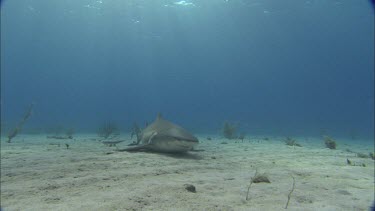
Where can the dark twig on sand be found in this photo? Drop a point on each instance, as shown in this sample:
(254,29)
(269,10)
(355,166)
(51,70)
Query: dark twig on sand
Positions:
(18,129)
(60,137)
(290,193)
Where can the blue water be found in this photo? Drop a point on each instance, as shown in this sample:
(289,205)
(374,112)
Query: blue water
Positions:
(290,67)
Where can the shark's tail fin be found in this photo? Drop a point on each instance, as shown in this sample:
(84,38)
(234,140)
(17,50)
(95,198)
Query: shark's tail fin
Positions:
(158,116)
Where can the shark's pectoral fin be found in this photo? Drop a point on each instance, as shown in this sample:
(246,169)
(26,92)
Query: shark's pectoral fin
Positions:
(134,149)
(151,137)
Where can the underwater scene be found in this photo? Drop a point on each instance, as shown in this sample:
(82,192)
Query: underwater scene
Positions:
(187,105)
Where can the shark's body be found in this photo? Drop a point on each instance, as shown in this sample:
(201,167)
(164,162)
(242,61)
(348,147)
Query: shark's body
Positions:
(164,136)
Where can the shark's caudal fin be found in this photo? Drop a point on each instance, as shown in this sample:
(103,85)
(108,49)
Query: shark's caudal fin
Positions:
(158,116)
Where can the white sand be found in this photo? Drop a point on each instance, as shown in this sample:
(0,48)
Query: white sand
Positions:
(90,176)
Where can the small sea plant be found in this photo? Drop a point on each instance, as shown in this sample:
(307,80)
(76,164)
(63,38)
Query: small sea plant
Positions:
(108,130)
(241,136)
(329,142)
(261,178)
(349,162)
(257,178)
(136,130)
(362,155)
(372,155)
(229,130)
(291,142)
(349,150)
(69,133)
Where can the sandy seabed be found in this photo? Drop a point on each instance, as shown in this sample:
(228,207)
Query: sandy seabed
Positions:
(38,173)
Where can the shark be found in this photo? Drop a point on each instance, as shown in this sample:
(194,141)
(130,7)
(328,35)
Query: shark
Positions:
(163,136)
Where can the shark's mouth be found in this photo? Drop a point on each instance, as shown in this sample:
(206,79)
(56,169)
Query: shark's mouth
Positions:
(171,144)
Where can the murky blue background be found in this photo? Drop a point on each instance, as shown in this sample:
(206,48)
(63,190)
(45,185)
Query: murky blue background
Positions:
(290,67)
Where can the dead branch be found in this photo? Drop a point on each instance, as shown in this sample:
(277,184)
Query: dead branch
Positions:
(290,193)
